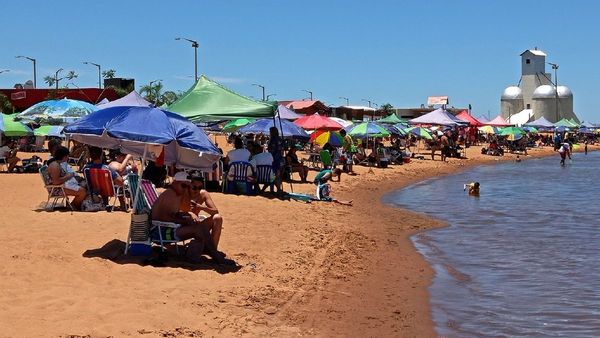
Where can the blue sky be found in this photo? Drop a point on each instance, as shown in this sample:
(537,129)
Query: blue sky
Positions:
(386,51)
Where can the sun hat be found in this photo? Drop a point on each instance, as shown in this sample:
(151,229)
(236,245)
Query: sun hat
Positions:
(181,177)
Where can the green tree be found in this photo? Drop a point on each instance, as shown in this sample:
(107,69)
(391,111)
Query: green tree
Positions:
(152,92)
(386,108)
(109,74)
(51,80)
(5,105)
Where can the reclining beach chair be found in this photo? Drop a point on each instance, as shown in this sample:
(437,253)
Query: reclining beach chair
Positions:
(100,182)
(55,192)
(238,173)
(265,176)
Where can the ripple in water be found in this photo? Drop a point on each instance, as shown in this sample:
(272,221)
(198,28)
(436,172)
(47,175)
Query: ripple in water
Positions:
(520,260)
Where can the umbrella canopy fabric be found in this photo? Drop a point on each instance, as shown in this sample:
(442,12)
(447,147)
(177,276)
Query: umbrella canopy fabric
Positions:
(391,119)
(286,113)
(585,130)
(262,126)
(498,121)
(540,123)
(342,122)
(368,129)
(512,133)
(234,125)
(438,117)
(209,101)
(11,128)
(57,111)
(464,115)
(132,99)
(147,131)
(53,131)
(321,137)
(488,129)
(316,121)
(419,132)
(566,123)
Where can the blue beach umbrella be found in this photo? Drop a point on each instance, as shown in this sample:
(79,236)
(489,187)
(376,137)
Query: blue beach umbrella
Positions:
(57,111)
(147,132)
(262,126)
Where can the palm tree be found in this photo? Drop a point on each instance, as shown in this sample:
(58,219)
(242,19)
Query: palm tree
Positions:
(152,92)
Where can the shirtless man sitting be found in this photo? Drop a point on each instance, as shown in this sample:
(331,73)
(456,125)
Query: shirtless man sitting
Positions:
(168,208)
(200,200)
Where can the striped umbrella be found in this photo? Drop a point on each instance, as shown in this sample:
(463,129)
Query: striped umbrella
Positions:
(419,132)
(368,129)
(321,137)
(236,124)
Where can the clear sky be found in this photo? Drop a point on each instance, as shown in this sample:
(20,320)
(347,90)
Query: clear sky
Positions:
(386,51)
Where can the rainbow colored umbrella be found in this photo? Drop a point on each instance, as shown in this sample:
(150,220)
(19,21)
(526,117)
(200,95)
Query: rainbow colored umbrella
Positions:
(368,129)
(236,124)
(488,130)
(321,137)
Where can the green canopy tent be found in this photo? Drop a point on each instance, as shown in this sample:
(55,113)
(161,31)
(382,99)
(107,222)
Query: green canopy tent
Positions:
(566,123)
(210,101)
(11,128)
(391,119)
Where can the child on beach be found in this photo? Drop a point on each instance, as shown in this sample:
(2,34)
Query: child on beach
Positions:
(473,188)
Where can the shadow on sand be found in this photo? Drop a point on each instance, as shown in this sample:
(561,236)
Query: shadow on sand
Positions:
(114,251)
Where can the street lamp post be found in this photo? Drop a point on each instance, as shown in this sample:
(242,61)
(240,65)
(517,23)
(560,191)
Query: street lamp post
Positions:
(268,96)
(308,91)
(34,68)
(263,90)
(56,77)
(555,67)
(347,100)
(367,101)
(195,45)
(99,72)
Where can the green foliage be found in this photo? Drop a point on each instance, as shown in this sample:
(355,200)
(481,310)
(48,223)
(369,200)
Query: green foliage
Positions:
(109,74)
(51,80)
(5,105)
(386,108)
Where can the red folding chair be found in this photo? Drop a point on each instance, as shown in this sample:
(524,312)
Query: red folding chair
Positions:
(100,182)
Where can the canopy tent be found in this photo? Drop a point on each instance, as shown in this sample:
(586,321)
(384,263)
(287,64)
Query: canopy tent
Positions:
(147,132)
(210,101)
(483,119)
(391,119)
(262,126)
(11,128)
(438,117)
(54,131)
(132,99)
(521,117)
(498,121)
(587,124)
(286,113)
(464,115)
(566,123)
(316,121)
(540,123)
(103,101)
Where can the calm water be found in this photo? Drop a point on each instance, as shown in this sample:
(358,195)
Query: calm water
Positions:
(520,260)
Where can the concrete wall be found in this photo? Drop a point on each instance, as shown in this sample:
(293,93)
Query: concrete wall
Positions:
(510,107)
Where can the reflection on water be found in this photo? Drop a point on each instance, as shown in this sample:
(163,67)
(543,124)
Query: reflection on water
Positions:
(522,259)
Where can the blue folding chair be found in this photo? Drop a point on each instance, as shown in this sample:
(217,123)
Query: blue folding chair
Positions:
(238,175)
(264,175)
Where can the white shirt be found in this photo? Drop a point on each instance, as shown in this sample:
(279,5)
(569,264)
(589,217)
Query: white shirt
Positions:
(4,151)
(262,159)
(238,155)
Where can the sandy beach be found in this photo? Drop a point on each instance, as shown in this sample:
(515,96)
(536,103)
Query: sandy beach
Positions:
(316,269)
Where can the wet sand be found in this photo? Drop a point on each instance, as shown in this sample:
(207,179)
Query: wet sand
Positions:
(318,269)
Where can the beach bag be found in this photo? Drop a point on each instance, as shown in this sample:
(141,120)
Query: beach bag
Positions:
(92,204)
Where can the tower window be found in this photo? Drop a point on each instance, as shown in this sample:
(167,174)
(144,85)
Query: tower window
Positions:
(527,61)
(528,106)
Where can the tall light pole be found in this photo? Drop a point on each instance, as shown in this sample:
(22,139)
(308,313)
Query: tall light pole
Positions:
(56,77)
(263,90)
(555,67)
(99,72)
(367,101)
(34,68)
(347,100)
(308,91)
(268,96)
(195,45)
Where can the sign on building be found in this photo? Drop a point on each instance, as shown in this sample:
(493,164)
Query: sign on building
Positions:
(18,95)
(434,100)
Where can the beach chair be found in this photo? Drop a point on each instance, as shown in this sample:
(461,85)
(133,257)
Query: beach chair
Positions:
(238,174)
(383,158)
(55,192)
(100,182)
(265,176)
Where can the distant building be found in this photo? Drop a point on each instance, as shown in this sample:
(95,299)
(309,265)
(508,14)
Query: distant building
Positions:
(536,94)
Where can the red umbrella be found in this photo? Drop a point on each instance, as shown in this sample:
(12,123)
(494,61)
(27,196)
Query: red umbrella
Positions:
(317,121)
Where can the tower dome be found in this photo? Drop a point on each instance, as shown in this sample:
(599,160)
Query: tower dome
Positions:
(512,93)
(564,92)
(544,92)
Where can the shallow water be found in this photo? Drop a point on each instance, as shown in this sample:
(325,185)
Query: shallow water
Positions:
(520,260)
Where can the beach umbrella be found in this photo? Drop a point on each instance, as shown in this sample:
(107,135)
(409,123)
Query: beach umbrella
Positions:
(419,132)
(11,128)
(488,130)
(262,126)
(54,131)
(316,121)
(236,124)
(532,130)
(321,137)
(57,111)
(368,129)
(342,122)
(562,129)
(147,132)
(585,130)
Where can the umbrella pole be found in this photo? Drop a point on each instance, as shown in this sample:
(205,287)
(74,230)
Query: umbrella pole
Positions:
(139,187)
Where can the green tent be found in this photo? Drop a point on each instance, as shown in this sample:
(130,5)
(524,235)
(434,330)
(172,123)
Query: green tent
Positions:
(391,119)
(566,123)
(9,127)
(210,101)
